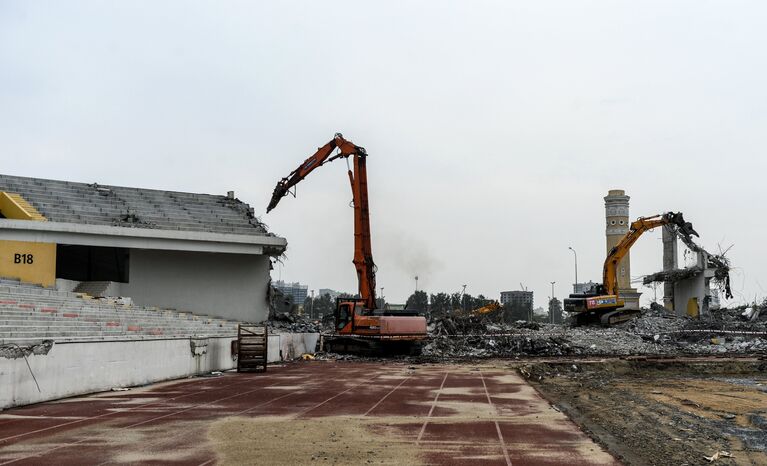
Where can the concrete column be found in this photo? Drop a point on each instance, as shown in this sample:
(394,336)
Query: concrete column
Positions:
(670,258)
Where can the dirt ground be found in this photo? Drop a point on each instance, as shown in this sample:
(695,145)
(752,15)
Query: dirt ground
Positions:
(677,412)
(285,440)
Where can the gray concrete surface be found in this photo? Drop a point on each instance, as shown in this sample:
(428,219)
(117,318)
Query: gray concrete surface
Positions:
(230,286)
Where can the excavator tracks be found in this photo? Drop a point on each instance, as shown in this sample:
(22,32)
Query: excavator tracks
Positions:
(370,346)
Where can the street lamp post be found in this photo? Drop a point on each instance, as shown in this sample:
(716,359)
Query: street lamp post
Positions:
(551,304)
(416,283)
(575,254)
(311,309)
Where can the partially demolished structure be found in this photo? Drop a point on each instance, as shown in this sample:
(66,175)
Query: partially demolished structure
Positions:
(688,290)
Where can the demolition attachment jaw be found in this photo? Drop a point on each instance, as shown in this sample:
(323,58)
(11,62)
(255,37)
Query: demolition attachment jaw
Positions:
(279,192)
(683,227)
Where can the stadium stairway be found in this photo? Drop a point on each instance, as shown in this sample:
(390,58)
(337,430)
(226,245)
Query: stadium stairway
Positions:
(30,313)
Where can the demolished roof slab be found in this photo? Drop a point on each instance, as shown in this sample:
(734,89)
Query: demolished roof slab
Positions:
(104,205)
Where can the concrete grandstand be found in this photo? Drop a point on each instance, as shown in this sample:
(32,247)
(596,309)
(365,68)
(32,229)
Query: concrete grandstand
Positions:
(197,252)
(108,286)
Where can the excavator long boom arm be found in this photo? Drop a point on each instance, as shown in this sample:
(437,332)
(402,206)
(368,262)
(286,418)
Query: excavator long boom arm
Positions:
(363,254)
(323,155)
(637,228)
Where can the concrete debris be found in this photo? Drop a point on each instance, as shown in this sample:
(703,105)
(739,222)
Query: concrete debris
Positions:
(753,313)
(14,351)
(718,455)
(293,323)
(674,275)
(655,332)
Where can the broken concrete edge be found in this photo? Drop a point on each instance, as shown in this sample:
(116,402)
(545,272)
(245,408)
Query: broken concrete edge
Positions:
(15,351)
(673,275)
(718,262)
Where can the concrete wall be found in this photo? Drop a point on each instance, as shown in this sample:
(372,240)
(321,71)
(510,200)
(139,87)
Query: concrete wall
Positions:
(287,346)
(77,368)
(688,293)
(231,286)
(694,292)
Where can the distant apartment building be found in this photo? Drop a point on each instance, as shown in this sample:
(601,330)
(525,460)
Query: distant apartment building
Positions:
(296,290)
(517,298)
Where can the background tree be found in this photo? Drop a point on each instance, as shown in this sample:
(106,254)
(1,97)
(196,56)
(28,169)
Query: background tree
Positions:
(455,301)
(380,303)
(418,301)
(555,311)
(323,306)
(440,304)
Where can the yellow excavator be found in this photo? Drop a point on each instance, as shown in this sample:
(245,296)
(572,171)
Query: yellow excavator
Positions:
(480,311)
(486,309)
(604,304)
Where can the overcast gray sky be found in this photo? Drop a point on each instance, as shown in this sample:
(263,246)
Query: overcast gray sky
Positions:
(494,128)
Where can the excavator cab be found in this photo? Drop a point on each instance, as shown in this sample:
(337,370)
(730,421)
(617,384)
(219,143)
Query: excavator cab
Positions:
(346,311)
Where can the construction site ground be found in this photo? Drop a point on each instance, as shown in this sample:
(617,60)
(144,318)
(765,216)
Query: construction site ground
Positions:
(314,412)
(664,411)
(556,411)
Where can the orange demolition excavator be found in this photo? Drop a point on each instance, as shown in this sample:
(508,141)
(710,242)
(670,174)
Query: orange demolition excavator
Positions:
(604,305)
(359,325)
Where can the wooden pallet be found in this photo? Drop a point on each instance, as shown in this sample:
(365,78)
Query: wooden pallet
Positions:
(252,343)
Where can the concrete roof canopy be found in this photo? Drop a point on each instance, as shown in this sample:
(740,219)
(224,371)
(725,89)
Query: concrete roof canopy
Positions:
(80,208)
(94,204)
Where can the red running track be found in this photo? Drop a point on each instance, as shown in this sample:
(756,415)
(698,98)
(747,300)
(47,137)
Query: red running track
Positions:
(452,414)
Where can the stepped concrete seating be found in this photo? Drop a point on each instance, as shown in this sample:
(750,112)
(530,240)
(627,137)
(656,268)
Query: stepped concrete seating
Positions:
(30,313)
(69,202)
(96,289)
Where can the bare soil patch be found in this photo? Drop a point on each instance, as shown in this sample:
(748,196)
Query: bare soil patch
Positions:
(285,440)
(660,413)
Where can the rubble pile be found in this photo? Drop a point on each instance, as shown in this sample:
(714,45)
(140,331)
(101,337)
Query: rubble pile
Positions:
(654,332)
(293,323)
